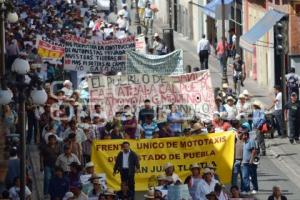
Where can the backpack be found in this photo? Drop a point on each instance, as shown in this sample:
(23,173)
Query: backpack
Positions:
(292,82)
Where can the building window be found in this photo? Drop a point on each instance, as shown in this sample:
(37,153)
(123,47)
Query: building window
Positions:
(277,2)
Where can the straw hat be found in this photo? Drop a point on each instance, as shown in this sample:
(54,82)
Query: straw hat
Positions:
(96,181)
(242,96)
(256,103)
(150,194)
(207,171)
(109,192)
(89,164)
(168,165)
(195,165)
(225,85)
(246,93)
(197,126)
(210,166)
(230,98)
(161,177)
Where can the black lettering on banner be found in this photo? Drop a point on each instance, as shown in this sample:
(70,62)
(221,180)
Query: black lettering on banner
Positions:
(145,78)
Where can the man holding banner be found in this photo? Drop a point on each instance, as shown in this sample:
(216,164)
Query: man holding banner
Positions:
(127,163)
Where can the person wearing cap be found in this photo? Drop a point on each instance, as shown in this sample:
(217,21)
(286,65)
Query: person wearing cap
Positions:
(205,185)
(277,105)
(258,119)
(122,22)
(130,124)
(193,179)
(292,117)
(247,96)
(41,74)
(150,194)
(158,45)
(165,130)
(67,88)
(239,72)
(96,190)
(76,189)
(197,128)
(68,196)
(219,122)
(161,182)
(243,106)
(59,184)
(125,193)
(249,169)
(170,172)
(230,108)
(127,164)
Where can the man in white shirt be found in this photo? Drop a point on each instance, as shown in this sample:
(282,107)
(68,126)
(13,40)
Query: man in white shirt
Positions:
(122,22)
(148,15)
(231,108)
(203,50)
(206,185)
(277,105)
(65,159)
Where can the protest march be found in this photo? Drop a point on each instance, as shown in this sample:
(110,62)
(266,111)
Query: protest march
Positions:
(122,114)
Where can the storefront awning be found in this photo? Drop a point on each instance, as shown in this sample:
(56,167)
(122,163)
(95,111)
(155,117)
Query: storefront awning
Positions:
(214,8)
(248,40)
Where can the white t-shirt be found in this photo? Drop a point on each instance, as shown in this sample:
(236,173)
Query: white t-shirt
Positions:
(232,111)
(278,103)
(14,192)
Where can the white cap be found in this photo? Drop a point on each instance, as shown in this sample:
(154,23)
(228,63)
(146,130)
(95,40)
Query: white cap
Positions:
(89,164)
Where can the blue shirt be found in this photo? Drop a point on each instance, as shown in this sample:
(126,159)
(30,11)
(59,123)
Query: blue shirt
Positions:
(248,146)
(258,119)
(58,187)
(175,127)
(149,129)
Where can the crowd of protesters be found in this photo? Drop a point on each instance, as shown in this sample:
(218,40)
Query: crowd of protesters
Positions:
(65,127)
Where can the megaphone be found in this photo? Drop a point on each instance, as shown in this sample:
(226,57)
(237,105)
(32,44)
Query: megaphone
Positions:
(256,160)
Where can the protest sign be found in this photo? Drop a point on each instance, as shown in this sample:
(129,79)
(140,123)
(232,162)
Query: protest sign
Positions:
(182,152)
(193,92)
(170,64)
(105,56)
(49,50)
(140,44)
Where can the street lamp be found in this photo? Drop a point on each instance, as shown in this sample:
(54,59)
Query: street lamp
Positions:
(137,18)
(224,74)
(6,7)
(38,95)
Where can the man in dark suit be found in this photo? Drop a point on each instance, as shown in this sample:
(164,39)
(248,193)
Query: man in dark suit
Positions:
(127,163)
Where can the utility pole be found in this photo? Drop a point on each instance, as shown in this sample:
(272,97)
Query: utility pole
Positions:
(224,75)
(281,47)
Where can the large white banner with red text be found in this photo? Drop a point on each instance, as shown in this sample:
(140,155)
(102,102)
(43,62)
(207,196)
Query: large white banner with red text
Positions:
(192,92)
